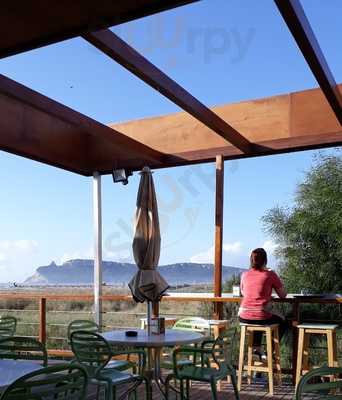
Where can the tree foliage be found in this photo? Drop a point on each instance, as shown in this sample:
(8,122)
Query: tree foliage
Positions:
(234,280)
(309,234)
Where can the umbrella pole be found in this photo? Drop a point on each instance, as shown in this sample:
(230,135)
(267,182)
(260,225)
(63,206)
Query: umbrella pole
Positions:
(149,317)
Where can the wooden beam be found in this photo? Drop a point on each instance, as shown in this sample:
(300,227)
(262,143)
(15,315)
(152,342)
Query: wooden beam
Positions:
(263,148)
(219,205)
(36,127)
(129,58)
(29,24)
(299,25)
(278,124)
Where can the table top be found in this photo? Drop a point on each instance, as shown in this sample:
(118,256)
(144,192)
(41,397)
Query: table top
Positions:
(170,338)
(11,370)
(319,298)
(219,322)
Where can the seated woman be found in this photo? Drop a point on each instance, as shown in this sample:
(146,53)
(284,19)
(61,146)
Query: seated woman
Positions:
(256,288)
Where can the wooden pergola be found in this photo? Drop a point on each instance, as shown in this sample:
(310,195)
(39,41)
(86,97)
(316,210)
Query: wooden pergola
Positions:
(39,128)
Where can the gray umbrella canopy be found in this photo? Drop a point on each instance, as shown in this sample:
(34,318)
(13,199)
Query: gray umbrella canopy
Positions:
(147,283)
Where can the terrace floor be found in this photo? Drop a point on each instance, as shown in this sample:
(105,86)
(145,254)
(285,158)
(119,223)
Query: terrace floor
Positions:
(201,391)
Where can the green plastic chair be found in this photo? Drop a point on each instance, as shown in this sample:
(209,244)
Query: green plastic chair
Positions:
(219,352)
(8,326)
(23,348)
(313,383)
(82,325)
(91,326)
(94,353)
(60,382)
(194,324)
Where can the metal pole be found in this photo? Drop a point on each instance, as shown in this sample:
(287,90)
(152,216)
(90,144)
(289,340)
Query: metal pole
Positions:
(97,207)
(149,315)
(218,307)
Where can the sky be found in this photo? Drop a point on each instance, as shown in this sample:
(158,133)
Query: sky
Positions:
(222,51)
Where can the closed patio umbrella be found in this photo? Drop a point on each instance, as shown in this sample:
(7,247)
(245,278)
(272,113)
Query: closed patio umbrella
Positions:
(147,283)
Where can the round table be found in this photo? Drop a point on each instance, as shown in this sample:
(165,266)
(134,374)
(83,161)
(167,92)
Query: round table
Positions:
(172,337)
(153,342)
(11,370)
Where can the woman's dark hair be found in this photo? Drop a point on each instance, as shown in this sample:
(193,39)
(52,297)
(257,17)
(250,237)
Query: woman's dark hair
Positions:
(258,258)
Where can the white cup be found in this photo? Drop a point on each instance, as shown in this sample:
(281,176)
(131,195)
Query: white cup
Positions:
(236,291)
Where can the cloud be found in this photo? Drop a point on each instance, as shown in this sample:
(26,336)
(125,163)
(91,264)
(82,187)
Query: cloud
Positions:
(77,255)
(270,246)
(8,247)
(234,248)
(231,251)
(124,256)
(107,255)
(17,259)
(206,257)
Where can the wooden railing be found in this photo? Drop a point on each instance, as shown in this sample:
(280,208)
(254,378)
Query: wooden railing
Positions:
(43,300)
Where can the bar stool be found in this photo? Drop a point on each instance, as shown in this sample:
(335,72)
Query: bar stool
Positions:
(307,329)
(272,346)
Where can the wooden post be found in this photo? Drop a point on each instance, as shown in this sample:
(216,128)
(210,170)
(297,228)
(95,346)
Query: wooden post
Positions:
(42,320)
(218,307)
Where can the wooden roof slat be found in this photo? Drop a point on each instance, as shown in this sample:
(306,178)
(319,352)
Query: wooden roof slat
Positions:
(29,24)
(278,124)
(299,25)
(37,127)
(129,58)
(262,148)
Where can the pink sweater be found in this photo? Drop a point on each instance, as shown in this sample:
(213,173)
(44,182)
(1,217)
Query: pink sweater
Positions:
(256,288)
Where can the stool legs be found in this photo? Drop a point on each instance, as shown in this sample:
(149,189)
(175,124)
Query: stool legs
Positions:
(272,346)
(276,346)
(269,359)
(306,347)
(303,348)
(332,348)
(300,354)
(241,355)
(332,351)
(250,357)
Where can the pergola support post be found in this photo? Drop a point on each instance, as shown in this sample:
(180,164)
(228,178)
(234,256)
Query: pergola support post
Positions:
(97,207)
(218,306)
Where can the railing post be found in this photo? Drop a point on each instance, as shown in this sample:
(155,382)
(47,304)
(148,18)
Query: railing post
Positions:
(218,306)
(42,320)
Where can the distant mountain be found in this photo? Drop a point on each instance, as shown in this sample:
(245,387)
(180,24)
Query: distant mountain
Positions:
(80,272)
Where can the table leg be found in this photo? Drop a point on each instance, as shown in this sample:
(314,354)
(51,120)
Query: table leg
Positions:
(162,385)
(157,373)
(149,359)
